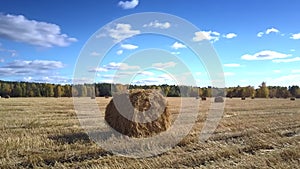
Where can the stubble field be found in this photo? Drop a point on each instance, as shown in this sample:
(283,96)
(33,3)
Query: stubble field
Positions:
(45,132)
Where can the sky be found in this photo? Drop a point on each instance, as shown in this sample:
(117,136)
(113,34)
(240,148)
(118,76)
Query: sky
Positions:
(45,41)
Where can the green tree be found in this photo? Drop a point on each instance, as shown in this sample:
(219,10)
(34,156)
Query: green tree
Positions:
(57,91)
(17,91)
(49,90)
(263,91)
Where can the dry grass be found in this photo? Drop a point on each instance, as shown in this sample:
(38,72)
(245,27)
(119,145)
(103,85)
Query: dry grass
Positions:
(45,132)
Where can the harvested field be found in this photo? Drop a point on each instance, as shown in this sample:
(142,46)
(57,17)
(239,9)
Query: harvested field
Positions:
(253,133)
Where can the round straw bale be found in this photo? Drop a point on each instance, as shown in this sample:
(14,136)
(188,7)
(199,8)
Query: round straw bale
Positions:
(293,98)
(219,99)
(139,113)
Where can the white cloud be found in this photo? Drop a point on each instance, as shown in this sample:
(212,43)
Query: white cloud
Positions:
(295,36)
(178,45)
(296,71)
(155,80)
(230,35)
(119,52)
(288,80)
(206,35)
(129,46)
(265,55)
(260,34)
(156,24)
(296,59)
(2,60)
(114,66)
(164,65)
(270,30)
(98,69)
(292,50)
(277,71)
(175,53)
(122,31)
(232,65)
(24,67)
(198,73)
(146,73)
(229,74)
(128,4)
(20,29)
(27,79)
(120,66)
(95,54)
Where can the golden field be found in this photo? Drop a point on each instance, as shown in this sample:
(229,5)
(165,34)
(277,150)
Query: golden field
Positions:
(45,133)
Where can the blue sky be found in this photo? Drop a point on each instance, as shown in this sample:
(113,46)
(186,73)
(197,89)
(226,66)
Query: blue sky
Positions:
(255,40)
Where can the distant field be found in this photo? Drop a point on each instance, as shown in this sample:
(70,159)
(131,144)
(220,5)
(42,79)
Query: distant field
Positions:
(45,132)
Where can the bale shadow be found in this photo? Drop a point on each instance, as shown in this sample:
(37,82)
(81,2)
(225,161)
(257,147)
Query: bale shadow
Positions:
(80,137)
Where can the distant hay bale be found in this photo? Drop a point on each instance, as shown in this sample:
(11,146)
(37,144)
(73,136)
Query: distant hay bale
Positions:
(219,99)
(106,97)
(139,113)
(93,97)
(203,98)
(293,98)
(252,97)
(243,98)
(7,97)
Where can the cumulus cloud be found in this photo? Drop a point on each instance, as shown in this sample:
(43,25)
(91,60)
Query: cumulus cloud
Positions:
(178,45)
(114,66)
(155,80)
(98,69)
(287,80)
(146,73)
(296,59)
(156,24)
(260,34)
(270,30)
(265,55)
(277,71)
(128,4)
(20,29)
(229,74)
(122,66)
(206,35)
(122,31)
(295,36)
(2,60)
(24,67)
(230,35)
(175,53)
(119,52)
(198,73)
(232,65)
(49,79)
(95,54)
(129,46)
(296,71)
(164,65)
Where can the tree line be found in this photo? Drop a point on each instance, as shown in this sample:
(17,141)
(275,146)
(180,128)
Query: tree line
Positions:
(29,89)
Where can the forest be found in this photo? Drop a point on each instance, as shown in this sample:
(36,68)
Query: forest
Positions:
(30,89)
